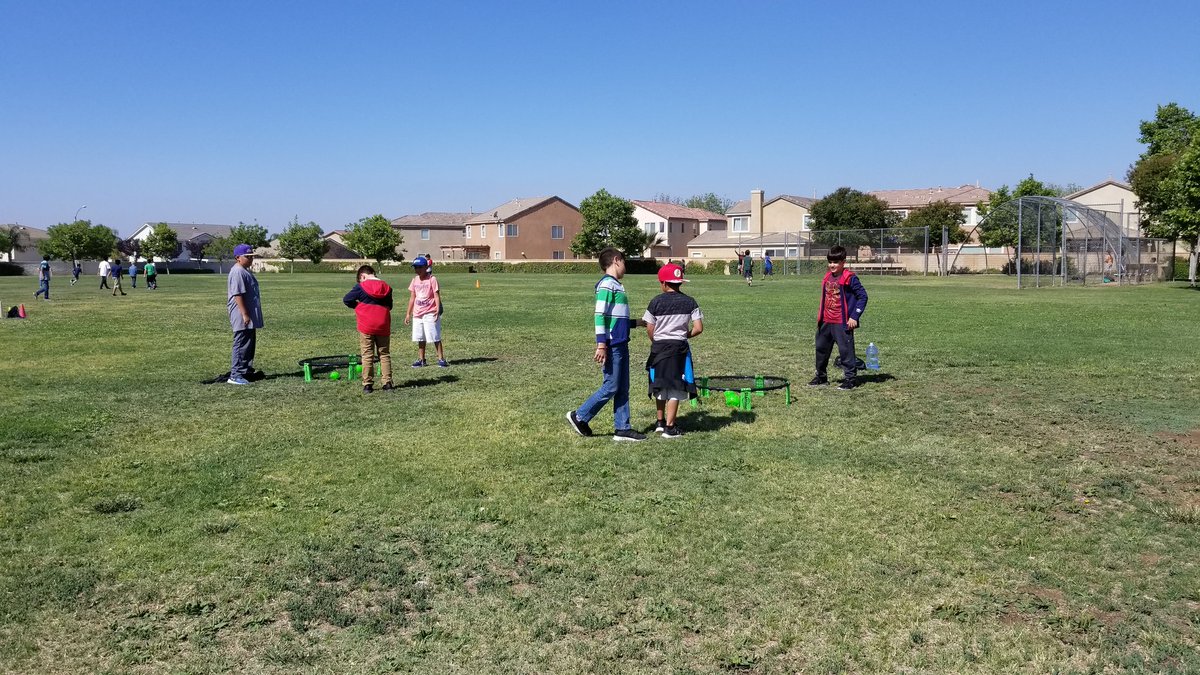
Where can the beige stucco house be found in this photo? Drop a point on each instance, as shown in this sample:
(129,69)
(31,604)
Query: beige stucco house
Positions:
(765,227)
(535,228)
(965,196)
(1116,198)
(674,225)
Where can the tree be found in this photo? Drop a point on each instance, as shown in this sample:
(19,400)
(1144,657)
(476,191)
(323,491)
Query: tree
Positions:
(162,243)
(80,240)
(937,216)
(1167,137)
(245,233)
(374,237)
(1170,132)
(220,248)
(302,241)
(608,221)
(12,239)
(195,249)
(998,226)
(849,210)
(129,247)
(1182,215)
(709,202)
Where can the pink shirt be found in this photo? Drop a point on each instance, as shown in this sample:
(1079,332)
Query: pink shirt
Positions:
(424,290)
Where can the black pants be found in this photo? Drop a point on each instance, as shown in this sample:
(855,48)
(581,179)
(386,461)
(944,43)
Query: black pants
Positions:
(827,335)
(103,282)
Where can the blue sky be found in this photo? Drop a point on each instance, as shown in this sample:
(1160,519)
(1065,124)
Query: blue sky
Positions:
(222,111)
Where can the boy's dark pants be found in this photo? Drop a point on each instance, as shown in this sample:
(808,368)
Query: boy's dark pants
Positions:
(827,335)
(244,343)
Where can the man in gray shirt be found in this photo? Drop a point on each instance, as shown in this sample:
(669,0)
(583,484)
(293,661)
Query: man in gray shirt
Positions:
(245,313)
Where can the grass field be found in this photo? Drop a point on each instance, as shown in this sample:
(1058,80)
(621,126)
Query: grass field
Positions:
(1019,493)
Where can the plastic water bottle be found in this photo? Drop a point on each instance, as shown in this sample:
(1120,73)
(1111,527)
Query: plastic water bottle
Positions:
(872,357)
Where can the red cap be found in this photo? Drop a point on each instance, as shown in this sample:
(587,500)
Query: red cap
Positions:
(671,274)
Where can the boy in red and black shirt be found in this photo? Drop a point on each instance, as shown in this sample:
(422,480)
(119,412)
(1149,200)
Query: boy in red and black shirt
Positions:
(843,301)
(371,300)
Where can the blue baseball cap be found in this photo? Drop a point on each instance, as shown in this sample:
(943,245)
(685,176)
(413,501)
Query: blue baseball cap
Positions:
(243,249)
(420,261)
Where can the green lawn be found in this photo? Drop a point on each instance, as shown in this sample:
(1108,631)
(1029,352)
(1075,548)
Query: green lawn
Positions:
(1020,493)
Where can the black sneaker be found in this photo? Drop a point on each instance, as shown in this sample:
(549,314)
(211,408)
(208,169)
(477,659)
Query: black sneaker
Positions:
(846,385)
(579,426)
(628,435)
(672,432)
(660,427)
(818,382)
(367,389)
(388,387)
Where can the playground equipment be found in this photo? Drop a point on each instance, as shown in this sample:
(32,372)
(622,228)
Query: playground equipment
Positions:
(740,390)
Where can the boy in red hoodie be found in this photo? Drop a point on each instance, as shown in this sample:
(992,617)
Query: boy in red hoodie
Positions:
(371,300)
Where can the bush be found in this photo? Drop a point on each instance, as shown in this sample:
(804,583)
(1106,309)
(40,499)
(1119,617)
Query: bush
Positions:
(8,269)
(1047,267)
(1180,273)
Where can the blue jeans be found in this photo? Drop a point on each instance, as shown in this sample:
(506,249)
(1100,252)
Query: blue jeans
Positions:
(43,288)
(243,353)
(615,388)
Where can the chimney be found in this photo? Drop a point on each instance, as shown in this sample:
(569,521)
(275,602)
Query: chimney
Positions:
(756,211)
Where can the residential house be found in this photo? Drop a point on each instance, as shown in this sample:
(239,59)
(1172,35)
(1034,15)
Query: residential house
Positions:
(437,234)
(335,247)
(535,228)
(30,240)
(674,226)
(763,227)
(192,236)
(965,196)
(1115,198)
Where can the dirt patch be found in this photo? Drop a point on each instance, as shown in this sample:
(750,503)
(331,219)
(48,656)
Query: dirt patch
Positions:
(1188,439)
(1150,559)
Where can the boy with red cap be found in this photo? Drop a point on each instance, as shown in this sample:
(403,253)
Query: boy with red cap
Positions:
(671,320)
(371,300)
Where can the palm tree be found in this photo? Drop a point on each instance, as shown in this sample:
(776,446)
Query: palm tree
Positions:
(650,240)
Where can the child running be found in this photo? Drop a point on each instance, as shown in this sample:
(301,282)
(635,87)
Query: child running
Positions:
(424,309)
(612,352)
(671,320)
(371,300)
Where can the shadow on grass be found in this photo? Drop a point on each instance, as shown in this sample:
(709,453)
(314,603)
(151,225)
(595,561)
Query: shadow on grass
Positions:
(473,359)
(873,378)
(427,382)
(703,420)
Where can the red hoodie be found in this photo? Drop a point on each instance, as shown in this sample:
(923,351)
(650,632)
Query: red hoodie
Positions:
(371,301)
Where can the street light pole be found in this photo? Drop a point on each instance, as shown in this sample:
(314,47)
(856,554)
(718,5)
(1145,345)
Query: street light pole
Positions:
(77,213)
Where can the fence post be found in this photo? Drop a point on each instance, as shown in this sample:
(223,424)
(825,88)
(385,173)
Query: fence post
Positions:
(1020,227)
(926,272)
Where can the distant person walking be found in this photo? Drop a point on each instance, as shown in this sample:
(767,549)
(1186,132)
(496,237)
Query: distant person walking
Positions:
(768,266)
(104,270)
(43,278)
(117,273)
(151,275)
(748,268)
(133,272)
(76,270)
(245,314)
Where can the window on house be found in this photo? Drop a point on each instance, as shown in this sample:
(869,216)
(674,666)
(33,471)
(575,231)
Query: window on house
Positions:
(741,224)
(807,220)
(662,227)
(500,230)
(483,231)
(558,255)
(903,213)
(512,229)
(649,227)
(467,232)
(697,254)
(1070,215)
(425,234)
(556,231)
(496,255)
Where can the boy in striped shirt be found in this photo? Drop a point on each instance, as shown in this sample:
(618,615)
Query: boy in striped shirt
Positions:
(612,352)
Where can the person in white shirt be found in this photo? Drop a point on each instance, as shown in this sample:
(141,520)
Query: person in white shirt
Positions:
(104,271)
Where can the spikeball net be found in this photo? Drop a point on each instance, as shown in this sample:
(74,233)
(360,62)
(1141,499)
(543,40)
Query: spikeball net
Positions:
(334,366)
(739,390)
